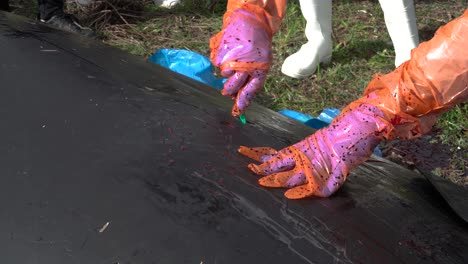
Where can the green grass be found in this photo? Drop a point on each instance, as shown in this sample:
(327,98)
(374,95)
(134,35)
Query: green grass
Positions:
(165,29)
(454,124)
(358,53)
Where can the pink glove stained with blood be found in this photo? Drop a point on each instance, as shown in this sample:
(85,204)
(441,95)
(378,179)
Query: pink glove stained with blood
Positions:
(242,49)
(405,103)
(319,164)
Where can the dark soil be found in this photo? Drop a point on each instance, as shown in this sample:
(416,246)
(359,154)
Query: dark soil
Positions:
(429,154)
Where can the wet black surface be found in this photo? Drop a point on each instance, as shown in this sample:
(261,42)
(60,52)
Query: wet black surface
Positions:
(90,135)
(455,195)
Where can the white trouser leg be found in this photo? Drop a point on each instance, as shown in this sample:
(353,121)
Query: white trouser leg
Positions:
(400,19)
(303,63)
(167,3)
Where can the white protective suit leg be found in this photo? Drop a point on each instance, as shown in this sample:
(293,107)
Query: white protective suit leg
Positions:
(318,15)
(400,19)
(167,3)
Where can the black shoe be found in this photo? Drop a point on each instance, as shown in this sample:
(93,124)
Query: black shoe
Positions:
(4,6)
(68,23)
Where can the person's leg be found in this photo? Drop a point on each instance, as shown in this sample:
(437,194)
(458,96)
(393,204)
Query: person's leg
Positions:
(400,19)
(49,8)
(51,12)
(4,5)
(167,3)
(318,14)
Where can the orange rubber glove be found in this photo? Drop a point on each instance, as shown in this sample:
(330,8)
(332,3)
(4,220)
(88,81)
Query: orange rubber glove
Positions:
(319,164)
(404,103)
(242,49)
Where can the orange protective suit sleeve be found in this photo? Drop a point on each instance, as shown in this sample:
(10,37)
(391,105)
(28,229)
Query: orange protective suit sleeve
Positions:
(435,79)
(404,103)
(268,15)
(272,10)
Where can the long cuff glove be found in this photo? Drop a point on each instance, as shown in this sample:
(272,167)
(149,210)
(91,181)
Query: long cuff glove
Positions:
(404,103)
(319,164)
(413,96)
(242,49)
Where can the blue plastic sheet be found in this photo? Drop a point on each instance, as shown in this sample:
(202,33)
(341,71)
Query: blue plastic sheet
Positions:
(322,120)
(188,63)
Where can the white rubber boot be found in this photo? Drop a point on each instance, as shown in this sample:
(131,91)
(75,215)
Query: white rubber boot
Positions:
(167,3)
(400,19)
(318,15)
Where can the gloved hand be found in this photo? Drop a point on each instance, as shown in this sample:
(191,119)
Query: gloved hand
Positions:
(404,103)
(242,50)
(319,164)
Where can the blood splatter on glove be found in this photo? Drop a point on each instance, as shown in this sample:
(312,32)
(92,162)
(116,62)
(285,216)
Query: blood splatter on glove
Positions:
(404,103)
(319,164)
(242,49)
(413,96)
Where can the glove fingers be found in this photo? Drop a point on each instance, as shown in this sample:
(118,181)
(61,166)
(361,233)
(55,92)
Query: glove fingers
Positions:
(304,165)
(246,94)
(297,179)
(260,154)
(227,73)
(234,83)
(299,192)
(286,179)
(278,163)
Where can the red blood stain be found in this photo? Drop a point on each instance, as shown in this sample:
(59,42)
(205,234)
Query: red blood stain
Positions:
(227,123)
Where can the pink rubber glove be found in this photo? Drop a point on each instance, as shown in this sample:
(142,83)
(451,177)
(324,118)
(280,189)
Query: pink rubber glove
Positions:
(404,103)
(319,164)
(242,50)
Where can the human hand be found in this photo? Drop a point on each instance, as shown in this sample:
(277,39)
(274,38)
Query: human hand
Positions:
(319,164)
(242,50)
